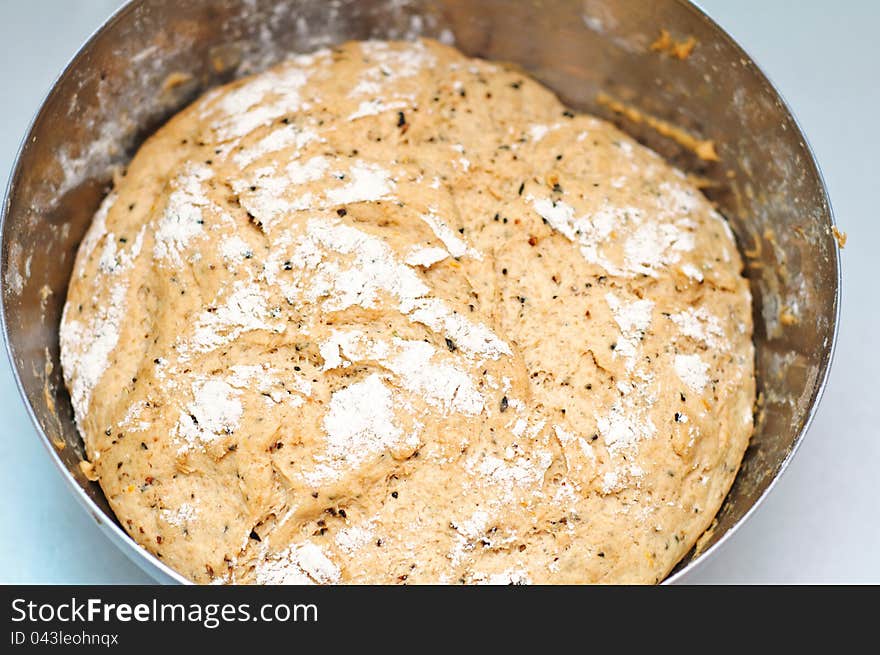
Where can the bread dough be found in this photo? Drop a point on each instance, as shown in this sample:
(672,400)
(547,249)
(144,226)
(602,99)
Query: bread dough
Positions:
(388,314)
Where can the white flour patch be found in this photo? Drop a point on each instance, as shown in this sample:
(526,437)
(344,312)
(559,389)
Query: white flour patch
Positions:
(425,257)
(244,374)
(440,384)
(678,198)
(351,345)
(373,270)
(374,107)
(132,422)
(469,531)
(692,272)
(86,348)
(611,482)
(214,412)
(267,381)
(369,183)
(700,325)
(182,219)
(309,171)
(455,245)
(414,365)
(573,444)
(95,233)
(390,64)
(588,232)
(518,476)
(354,538)
(538,132)
(269,196)
(265,196)
(633,318)
(108,261)
(233,248)
(245,309)
(244,109)
(656,245)
(652,245)
(359,424)
(179,517)
(693,371)
(475,339)
(115,259)
(95,158)
(302,563)
(624,426)
(285,137)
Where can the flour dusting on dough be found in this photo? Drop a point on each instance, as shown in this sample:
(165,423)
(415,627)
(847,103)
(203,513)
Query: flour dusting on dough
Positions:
(387,314)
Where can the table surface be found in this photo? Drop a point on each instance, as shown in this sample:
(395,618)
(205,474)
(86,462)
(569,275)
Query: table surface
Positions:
(821,524)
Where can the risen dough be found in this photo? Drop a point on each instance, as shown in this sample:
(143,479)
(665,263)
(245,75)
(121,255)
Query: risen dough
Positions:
(388,314)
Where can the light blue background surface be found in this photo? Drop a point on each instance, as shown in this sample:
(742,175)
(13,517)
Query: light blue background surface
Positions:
(820,524)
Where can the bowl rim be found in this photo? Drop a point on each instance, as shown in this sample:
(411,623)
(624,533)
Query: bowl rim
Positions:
(161,572)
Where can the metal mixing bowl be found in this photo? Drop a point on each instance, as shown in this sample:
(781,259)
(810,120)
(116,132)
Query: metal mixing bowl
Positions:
(117,90)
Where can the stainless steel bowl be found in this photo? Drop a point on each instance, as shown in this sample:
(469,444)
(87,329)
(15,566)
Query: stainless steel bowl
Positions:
(154,56)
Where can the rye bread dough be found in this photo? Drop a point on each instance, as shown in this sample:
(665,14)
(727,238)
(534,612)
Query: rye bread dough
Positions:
(388,314)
